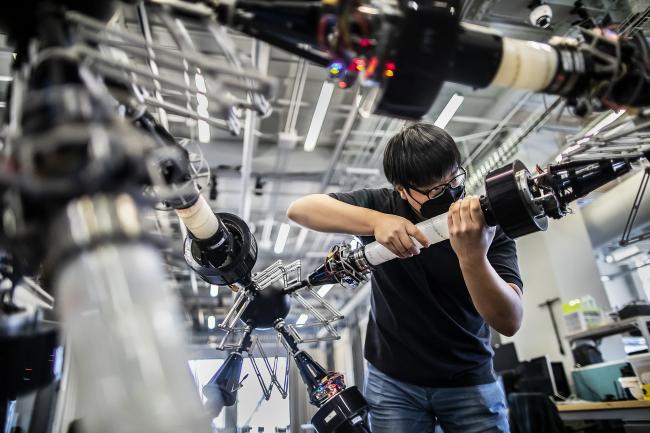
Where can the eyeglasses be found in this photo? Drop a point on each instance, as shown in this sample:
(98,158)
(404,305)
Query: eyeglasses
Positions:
(438,190)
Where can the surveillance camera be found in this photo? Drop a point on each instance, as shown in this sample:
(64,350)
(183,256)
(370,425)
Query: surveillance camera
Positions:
(540,15)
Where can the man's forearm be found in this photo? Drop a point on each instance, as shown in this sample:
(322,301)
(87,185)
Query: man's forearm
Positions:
(497,301)
(323,213)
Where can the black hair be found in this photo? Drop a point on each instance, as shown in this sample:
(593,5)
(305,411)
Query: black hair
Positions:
(419,155)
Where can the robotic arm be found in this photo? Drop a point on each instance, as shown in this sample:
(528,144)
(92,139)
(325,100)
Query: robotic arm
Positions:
(222,251)
(515,199)
(405,51)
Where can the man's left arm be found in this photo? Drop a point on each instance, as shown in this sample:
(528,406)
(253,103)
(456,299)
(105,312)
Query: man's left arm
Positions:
(496,300)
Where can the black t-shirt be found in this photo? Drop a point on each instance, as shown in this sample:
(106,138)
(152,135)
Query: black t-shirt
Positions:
(423,327)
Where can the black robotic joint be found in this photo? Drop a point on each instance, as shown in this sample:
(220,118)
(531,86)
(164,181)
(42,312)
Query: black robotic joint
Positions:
(344,413)
(422,50)
(267,307)
(229,263)
(509,203)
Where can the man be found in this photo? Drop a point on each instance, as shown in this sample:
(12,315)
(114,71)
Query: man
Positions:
(428,341)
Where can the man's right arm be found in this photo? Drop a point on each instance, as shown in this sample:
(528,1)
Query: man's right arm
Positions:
(323,213)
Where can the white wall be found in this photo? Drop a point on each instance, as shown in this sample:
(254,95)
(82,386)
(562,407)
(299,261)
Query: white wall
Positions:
(557,263)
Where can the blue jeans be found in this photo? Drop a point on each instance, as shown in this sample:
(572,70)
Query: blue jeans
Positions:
(398,407)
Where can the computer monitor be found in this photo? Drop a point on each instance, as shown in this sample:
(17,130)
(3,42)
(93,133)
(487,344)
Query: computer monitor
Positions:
(505,357)
(562,388)
(539,375)
(536,375)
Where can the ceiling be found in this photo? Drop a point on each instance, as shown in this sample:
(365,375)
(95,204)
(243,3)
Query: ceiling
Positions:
(281,170)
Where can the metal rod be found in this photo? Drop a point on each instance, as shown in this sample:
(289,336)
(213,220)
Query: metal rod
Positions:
(327,305)
(236,302)
(205,63)
(272,372)
(266,391)
(319,316)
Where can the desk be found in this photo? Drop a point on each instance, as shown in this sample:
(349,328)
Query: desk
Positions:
(632,410)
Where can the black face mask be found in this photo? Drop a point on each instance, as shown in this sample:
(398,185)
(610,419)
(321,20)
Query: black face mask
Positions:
(439,205)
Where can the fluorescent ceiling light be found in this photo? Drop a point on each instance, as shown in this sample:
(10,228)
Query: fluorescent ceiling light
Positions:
(265,239)
(214,290)
(202,108)
(204,131)
(201,101)
(362,171)
(572,148)
(624,253)
(610,118)
(316,254)
(212,322)
(281,241)
(302,319)
(449,111)
(319,116)
(199,81)
(302,237)
(325,289)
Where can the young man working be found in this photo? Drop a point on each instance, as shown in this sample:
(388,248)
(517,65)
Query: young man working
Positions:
(428,341)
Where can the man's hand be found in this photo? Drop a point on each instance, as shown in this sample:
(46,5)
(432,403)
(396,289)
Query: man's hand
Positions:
(395,232)
(469,235)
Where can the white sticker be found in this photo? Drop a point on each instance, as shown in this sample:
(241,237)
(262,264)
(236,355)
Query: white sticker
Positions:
(356,420)
(331,416)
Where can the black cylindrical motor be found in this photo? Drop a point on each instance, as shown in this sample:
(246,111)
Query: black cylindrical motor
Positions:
(343,413)
(508,202)
(229,263)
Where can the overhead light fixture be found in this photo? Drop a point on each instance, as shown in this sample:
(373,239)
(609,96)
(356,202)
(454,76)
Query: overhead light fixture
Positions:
(324,290)
(302,237)
(199,81)
(302,319)
(202,108)
(571,148)
(214,290)
(204,131)
(610,118)
(316,254)
(281,241)
(449,111)
(622,254)
(319,116)
(362,171)
(265,241)
(212,322)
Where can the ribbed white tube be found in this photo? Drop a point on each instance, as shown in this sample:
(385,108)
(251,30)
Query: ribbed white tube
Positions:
(199,219)
(435,229)
(526,65)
